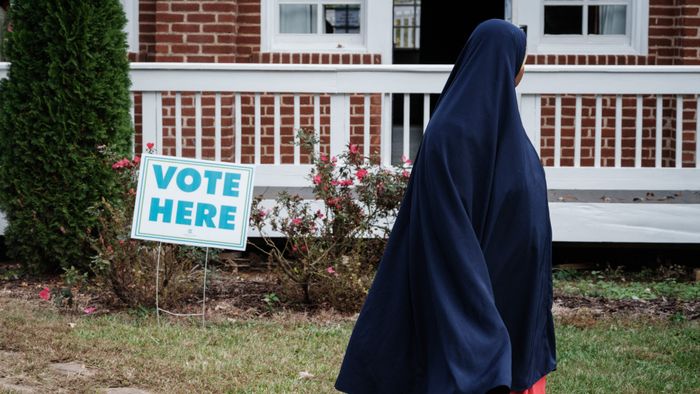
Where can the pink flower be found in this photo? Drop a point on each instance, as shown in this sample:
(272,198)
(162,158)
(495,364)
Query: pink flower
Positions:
(296,221)
(354,149)
(262,213)
(332,201)
(331,271)
(324,158)
(346,182)
(406,174)
(150,145)
(361,173)
(89,310)
(137,160)
(334,160)
(121,164)
(45,294)
(319,214)
(335,182)
(406,160)
(317,179)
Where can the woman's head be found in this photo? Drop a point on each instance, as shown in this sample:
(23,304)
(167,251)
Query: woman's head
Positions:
(491,59)
(500,40)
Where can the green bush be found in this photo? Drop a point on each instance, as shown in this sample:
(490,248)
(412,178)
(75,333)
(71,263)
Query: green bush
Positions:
(67,94)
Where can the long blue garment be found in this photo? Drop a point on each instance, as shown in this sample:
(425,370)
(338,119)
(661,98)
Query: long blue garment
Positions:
(461,302)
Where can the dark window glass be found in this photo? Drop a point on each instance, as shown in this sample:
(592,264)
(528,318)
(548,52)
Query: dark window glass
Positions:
(341,18)
(563,19)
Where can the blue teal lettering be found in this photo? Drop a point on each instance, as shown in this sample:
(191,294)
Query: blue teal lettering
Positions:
(212,177)
(184,212)
(230,184)
(205,215)
(156,209)
(193,185)
(163,180)
(226,217)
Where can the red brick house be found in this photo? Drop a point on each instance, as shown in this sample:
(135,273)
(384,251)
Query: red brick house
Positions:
(630,116)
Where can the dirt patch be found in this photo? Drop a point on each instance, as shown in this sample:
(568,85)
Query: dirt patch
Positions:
(567,306)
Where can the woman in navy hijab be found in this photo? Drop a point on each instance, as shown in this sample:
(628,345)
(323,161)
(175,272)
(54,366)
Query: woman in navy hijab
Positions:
(461,302)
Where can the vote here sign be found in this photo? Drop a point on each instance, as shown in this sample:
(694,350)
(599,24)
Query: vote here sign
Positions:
(193,202)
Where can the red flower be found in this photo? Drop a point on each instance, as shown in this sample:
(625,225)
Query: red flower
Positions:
(121,164)
(137,160)
(332,201)
(296,221)
(406,160)
(354,149)
(89,310)
(361,173)
(324,158)
(335,182)
(346,182)
(45,294)
(150,145)
(317,179)
(406,174)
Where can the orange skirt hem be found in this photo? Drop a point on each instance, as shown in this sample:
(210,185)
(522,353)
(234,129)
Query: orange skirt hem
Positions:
(537,388)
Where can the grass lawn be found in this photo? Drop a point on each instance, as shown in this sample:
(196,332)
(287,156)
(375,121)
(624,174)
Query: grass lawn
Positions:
(266,355)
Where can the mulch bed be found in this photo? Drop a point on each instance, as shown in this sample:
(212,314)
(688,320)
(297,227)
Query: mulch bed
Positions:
(241,294)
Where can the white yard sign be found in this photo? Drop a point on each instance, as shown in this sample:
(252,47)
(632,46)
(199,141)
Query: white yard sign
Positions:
(193,202)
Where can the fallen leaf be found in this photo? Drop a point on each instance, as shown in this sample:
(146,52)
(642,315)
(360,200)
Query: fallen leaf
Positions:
(305,375)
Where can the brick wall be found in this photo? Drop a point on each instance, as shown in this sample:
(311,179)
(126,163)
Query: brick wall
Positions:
(674,39)
(229,31)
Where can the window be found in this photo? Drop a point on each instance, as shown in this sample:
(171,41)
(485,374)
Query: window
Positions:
(586,26)
(586,20)
(131,9)
(407,24)
(315,25)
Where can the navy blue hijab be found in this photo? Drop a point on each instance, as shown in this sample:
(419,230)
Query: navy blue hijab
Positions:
(461,302)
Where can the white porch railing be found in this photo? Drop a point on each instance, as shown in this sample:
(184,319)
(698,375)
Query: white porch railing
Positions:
(341,81)
(572,221)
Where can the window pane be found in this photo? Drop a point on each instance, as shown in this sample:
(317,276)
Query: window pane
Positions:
(607,19)
(298,18)
(405,16)
(563,19)
(341,18)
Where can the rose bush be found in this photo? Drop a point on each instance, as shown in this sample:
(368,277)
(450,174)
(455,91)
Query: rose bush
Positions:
(127,267)
(330,253)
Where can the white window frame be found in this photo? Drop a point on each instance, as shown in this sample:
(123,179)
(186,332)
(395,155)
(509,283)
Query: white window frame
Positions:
(635,42)
(374,37)
(131,9)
